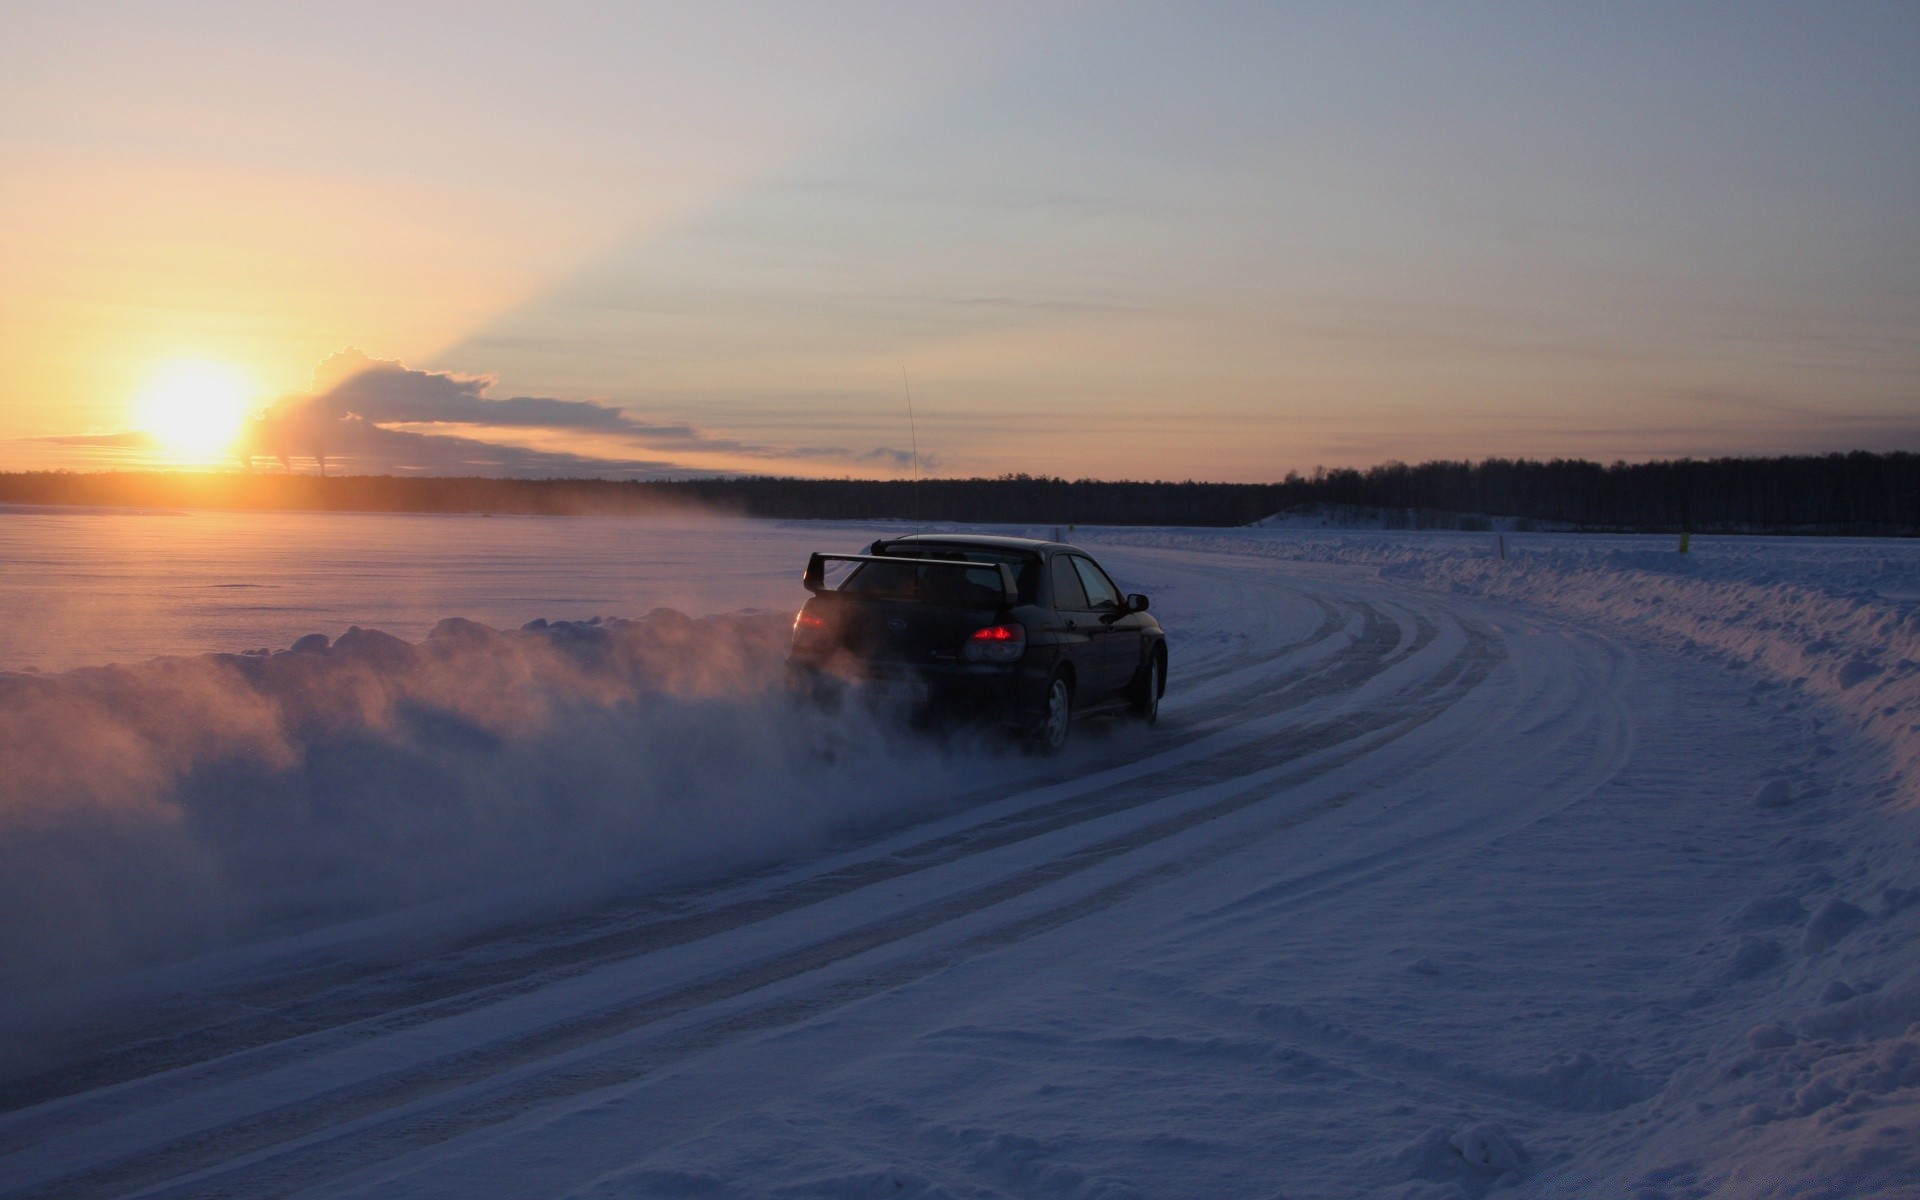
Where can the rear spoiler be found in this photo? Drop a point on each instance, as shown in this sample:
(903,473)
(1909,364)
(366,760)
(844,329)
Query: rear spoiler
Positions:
(815,579)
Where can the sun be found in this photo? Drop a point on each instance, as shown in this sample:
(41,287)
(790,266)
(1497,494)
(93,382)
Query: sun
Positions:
(196,409)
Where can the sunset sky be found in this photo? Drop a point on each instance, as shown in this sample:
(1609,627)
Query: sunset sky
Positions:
(1176,241)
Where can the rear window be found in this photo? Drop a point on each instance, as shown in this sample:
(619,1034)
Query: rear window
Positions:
(954,588)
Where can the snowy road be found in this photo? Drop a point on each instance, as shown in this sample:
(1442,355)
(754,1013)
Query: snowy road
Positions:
(1411,893)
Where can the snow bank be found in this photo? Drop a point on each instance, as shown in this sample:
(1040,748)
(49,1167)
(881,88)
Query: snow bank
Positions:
(1831,620)
(1856,652)
(151,811)
(1812,1084)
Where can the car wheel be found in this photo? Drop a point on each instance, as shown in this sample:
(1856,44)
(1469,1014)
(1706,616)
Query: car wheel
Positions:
(1056,721)
(1145,701)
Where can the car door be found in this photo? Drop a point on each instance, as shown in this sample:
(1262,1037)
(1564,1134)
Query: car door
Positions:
(1077,626)
(1117,643)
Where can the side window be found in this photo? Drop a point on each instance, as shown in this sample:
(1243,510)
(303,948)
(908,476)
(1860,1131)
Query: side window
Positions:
(1067,592)
(1100,589)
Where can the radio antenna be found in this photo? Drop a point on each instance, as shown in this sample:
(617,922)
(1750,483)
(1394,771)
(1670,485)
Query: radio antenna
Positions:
(913,433)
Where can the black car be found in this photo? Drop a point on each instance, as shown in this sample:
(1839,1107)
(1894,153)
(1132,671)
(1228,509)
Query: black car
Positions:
(1029,633)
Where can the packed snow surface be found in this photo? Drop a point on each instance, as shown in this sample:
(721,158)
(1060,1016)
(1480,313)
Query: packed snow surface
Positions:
(1459,865)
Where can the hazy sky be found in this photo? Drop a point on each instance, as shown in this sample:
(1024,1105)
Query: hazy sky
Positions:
(1173,240)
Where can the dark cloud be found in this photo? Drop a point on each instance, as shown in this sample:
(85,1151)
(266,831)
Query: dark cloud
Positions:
(349,419)
(886,455)
(346,421)
(897,458)
(386,392)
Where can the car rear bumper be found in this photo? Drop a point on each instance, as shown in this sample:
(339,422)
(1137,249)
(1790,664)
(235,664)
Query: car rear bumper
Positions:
(1013,693)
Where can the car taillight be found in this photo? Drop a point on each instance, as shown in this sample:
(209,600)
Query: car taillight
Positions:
(809,630)
(997,643)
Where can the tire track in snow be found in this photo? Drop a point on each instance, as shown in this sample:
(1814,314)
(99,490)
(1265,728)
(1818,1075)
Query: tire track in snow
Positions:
(1574,1086)
(1581,753)
(1567,769)
(1379,642)
(275,1019)
(1248,776)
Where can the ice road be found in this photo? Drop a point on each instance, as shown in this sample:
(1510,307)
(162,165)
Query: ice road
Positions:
(1586,872)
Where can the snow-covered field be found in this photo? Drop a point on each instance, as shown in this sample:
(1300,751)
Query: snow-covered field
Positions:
(1586,872)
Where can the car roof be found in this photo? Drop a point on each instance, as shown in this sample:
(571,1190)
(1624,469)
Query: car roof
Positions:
(984,540)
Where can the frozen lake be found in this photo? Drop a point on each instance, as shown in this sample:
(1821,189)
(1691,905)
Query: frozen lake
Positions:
(81,587)
(85,586)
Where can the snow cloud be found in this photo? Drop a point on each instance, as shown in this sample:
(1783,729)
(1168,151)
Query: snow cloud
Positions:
(154,811)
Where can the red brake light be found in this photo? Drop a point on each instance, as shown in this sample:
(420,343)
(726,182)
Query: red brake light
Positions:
(997,643)
(810,635)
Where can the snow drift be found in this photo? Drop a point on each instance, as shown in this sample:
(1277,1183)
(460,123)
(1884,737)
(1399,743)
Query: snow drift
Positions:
(1826,619)
(155,810)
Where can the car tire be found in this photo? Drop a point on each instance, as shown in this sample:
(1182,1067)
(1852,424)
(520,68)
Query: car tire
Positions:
(1144,696)
(1056,718)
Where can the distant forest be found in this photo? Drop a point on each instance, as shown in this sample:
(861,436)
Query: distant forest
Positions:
(1859,493)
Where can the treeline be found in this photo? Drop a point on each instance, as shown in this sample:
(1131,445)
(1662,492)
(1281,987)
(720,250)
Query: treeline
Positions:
(1831,493)
(1010,499)
(1836,493)
(1860,493)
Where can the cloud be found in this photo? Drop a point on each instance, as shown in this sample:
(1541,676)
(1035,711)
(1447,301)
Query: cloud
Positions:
(135,439)
(897,458)
(357,402)
(362,445)
(385,392)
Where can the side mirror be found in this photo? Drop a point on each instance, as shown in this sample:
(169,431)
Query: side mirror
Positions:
(1136,602)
